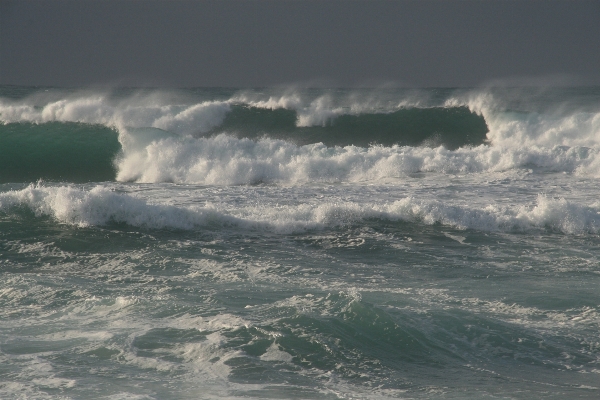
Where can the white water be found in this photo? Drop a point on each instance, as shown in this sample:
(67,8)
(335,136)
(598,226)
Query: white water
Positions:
(226,160)
(154,132)
(101,206)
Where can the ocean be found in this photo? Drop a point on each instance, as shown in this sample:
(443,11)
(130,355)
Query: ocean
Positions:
(294,243)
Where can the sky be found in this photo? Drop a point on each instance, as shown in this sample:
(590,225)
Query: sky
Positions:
(246,43)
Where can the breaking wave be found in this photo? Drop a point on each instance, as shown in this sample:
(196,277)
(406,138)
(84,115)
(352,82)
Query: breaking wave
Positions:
(226,160)
(253,137)
(101,206)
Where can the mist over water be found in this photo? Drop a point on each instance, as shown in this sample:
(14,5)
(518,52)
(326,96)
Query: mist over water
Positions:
(287,243)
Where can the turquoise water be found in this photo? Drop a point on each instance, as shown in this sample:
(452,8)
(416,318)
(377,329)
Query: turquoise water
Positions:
(211,243)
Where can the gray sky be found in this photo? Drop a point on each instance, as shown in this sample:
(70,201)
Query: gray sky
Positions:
(263,43)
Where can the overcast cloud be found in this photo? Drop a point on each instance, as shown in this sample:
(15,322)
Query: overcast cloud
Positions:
(263,43)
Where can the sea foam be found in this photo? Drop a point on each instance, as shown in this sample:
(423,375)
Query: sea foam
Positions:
(101,206)
(551,126)
(226,160)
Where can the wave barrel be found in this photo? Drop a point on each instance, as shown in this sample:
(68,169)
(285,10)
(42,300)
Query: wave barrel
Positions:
(57,151)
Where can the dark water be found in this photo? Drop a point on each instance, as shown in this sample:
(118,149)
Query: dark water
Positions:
(450,127)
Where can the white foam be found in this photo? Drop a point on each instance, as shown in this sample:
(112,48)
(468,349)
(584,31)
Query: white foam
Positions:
(226,160)
(323,109)
(100,206)
(316,112)
(548,128)
(289,101)
(275,354)
(137,112)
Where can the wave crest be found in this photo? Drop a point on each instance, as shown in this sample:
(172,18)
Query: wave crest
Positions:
(100,206)
(120,114)
(294,137)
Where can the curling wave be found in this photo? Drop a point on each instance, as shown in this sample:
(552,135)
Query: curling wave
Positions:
(247,139)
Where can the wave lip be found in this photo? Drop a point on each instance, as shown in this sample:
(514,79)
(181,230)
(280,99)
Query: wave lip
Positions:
(524,121)
(134,112)
(100,206)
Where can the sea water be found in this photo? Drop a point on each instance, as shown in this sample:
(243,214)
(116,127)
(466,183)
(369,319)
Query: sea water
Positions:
(299,243)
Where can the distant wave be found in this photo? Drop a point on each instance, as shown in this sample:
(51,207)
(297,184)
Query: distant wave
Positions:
(100,206)
(250,138)
(451,127)
(132,112)
(339,126)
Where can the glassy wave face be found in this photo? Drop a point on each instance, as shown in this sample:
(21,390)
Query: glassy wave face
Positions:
(287,243)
